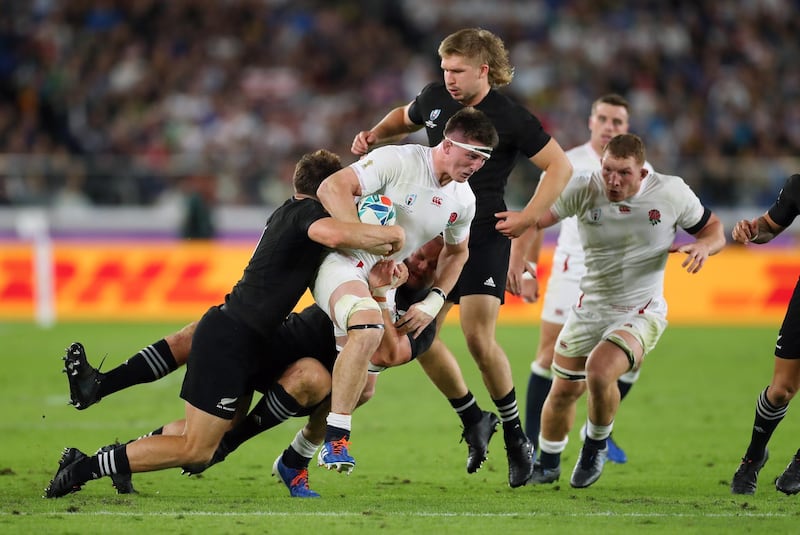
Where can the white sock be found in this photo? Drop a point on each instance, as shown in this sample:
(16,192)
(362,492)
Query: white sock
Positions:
(303,446)
(342,421)
(541,372)
(598,432)
(552,446)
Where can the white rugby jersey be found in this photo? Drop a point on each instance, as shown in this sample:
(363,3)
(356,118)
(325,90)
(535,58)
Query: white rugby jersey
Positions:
(626,243)
(404,173)
(583,159)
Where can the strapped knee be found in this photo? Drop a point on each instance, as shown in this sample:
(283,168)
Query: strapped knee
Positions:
(620,342)
(349,304)
(569,375)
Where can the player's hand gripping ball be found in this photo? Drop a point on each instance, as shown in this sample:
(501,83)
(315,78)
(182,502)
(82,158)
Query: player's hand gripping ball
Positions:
(376,209)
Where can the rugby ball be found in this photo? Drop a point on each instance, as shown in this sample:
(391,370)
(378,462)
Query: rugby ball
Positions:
(376,209)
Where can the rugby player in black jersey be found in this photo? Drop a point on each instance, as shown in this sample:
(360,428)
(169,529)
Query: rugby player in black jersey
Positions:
(475,64)
(229,339)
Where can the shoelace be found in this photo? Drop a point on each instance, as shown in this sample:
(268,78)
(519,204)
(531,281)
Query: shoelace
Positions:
(339,445)
(301,479)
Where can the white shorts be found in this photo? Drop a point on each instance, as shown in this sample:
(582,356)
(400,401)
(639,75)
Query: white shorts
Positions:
(336,269)
(563,287)
(588,326)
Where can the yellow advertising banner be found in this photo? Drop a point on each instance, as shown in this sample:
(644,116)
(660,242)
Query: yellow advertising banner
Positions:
(178,281)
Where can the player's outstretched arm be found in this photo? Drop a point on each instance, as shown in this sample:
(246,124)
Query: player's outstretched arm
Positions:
(557,171)
(708,241)
(759,230)
(392,128)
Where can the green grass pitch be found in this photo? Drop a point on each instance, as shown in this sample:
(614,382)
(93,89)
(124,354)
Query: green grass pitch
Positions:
(684,426)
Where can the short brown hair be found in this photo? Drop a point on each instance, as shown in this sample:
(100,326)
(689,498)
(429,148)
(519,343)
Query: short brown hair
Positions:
(313,168)
(613,99)
(474,125)
(477,43)
(626,146)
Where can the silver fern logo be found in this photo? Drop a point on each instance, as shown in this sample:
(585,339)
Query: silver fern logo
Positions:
(431,122)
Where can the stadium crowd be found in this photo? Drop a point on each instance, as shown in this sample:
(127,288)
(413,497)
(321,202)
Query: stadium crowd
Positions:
(111,102)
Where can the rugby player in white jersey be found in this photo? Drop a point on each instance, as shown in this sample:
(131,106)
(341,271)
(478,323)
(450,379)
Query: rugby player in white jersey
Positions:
(608,118)
(628,218)
(429,189)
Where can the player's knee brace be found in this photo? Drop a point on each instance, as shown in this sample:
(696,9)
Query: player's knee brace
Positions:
(347,305)
(620,342)
(569,375)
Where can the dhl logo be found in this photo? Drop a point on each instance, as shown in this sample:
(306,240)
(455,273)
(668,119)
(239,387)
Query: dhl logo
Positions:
(181,280)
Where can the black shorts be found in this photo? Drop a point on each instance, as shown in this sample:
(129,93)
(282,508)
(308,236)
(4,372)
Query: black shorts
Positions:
(788,343)
(486,270)
(225,355)
(307,334)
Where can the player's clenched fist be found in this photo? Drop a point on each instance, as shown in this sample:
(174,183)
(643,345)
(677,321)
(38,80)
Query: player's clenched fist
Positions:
(745,231)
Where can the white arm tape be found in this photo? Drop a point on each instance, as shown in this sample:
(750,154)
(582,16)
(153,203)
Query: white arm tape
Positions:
(432,304)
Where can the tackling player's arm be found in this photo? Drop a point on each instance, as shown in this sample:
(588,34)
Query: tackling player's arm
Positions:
(336,194)
(377,239)
(557,171)
(419,315)
(395,348)
(392,128)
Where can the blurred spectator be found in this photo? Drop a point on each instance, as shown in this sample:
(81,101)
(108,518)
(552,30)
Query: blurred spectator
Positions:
(198,219)
(132,89)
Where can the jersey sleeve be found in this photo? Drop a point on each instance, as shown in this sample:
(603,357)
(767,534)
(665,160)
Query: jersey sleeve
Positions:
(378,168)
(415,110)
(458,231)
(572,197)
(785,208)
(691,215)
(532,136)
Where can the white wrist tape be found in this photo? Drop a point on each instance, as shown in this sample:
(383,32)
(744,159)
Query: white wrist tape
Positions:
(432,304)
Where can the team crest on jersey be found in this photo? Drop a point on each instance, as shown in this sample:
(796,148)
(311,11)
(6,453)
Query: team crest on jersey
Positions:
(431,122)
(594,216)
(654,216)
(453,217)
(411,198)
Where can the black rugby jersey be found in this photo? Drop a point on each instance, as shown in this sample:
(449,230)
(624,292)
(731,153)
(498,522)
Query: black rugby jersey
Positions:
(281,268)
(787,205)
(519,132)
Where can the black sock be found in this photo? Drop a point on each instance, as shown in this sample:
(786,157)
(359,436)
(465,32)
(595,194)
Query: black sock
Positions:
(595,443)
(467,409)
(333,433)
(151,363)
(768,416)
(292,459)
(538,388)
(275,407)
(549,460)
(509,415)
(101,464)
(624,388)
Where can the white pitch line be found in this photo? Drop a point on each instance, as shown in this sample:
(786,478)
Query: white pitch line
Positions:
(408,514)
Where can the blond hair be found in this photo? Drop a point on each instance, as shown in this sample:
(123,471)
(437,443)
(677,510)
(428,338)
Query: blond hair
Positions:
(484,46)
